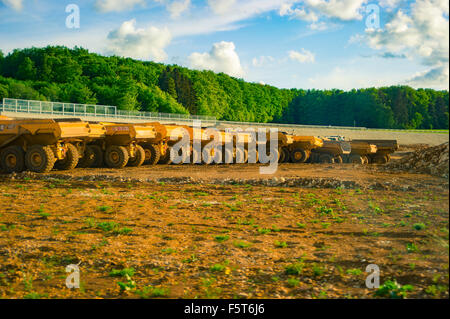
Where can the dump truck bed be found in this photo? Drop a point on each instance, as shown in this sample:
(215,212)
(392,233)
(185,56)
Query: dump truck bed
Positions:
(41,131)
(382,145)
(363,148)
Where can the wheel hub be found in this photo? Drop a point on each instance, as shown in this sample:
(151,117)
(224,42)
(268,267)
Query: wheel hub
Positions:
(11,160)
(36,159)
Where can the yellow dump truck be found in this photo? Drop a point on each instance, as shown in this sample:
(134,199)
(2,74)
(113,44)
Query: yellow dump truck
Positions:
(297,149)
(384,150)
(120,145)
(331,152)
(39,145)
(361,152)
(92,155)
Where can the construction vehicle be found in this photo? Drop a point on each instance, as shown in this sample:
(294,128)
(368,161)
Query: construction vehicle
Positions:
(331,152)
(297,149)
(92,155)
(39,145)
(384,150)
(361,151)
(121,145)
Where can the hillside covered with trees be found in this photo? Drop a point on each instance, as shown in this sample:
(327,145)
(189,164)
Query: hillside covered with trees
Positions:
(77,76)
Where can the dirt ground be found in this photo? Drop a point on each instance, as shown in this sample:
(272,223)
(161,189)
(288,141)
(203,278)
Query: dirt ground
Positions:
(223,232)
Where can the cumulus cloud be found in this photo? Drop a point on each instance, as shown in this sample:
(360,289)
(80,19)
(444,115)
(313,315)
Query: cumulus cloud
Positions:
(221,58)
(221,6)
(421,34)
(303,57)
(176,8)
(15,4)
(117,5)
(139,43)
(314,10)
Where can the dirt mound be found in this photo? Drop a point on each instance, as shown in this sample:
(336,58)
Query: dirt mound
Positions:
(432,160)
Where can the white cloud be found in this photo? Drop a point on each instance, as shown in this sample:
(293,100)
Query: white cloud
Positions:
(15,4)
(203,22)
(221,58)
(139,43)
(262,60)
(314,10)
(303,57)
(221,6)
(435,78)
(176,8)
(341,9)
(422,34)
(117,5)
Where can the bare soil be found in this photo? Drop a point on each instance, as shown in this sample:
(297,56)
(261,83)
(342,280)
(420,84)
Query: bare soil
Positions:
(204,238)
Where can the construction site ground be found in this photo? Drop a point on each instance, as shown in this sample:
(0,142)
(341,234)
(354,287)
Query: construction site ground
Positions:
(225,231)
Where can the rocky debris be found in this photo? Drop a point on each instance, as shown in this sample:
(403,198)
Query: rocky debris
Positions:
(432,160)
(305,182)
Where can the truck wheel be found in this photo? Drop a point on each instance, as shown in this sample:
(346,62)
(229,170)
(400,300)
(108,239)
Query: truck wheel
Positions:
(299,155)
(152,154)
(39,159)
(282,156)
(98,156)
(12,159)
(88,158)
(116,156)
(139,159)
(355,159)
(166,158)
(326,158)
(70,161)
(365,159)
(380,159)
(338,159)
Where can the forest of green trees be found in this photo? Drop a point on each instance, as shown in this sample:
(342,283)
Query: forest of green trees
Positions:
(77,76)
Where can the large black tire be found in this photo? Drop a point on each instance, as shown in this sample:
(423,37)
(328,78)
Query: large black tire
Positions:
(98,156)
(152,154)
(12,159)
(88,158)
(165,159)
(326,159)
(39,159)
(70,161)
(365,159)
(138,159)
(299,155)
(338,159)
(116,156)
(355,159)
(380,159)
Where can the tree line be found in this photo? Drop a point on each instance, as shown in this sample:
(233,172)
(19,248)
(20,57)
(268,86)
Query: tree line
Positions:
(78,76)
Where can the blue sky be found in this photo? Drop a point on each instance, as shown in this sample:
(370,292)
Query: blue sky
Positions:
(287,43)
